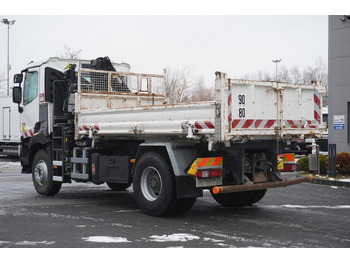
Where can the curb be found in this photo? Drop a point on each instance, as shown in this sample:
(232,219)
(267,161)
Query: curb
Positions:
(328,182)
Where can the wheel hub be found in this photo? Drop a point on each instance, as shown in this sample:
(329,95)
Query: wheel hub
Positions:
(151,183)
(41,172)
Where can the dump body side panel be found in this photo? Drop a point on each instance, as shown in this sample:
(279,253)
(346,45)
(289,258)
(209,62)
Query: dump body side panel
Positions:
(269,110)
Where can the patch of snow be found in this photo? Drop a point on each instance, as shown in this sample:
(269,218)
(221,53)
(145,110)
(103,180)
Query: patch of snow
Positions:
(106,239)
(34,243)
(173,237)
(81,225)
(213,240)
(327,207)
(121,225)
(301,207)
(241,239)
(344,180)
(335,187)
(224,245)
(126,211)
(267,245)
(10,164)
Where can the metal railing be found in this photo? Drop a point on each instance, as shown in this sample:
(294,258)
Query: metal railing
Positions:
(119,82)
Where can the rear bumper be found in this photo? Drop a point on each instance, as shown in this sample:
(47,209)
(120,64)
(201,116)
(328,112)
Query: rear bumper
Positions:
(259,186)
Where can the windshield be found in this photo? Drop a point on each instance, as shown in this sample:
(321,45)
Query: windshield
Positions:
(30,87)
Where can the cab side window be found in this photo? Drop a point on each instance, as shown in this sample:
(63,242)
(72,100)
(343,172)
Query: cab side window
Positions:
(30,87)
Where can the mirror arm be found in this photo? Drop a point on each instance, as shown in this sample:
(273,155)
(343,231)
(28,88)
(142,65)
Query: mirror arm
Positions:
(20,109)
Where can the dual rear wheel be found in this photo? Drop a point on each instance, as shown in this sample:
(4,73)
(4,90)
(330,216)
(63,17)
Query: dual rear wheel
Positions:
(239,199)
(155,187)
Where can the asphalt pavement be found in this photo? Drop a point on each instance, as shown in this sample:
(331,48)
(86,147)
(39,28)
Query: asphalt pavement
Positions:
(89,216)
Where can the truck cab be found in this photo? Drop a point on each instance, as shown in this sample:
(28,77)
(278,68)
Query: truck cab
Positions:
(43,95)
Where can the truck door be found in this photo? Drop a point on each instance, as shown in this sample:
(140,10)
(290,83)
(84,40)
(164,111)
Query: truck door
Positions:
(30,114)
(6,123)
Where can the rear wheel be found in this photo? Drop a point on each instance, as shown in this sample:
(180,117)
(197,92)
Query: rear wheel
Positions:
(239,199)
(155,188)
(118,186)
(42,174)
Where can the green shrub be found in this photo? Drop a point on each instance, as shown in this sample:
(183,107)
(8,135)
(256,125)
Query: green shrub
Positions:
(304,164)
(343,163)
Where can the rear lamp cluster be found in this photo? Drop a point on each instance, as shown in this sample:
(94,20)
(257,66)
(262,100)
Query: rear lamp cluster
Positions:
(209,173)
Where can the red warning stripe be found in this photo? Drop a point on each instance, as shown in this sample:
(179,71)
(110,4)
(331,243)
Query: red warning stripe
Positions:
(199,125)
(209,161)
(317,100)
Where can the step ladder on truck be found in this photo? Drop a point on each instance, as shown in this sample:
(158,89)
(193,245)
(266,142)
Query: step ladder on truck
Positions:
(95,121)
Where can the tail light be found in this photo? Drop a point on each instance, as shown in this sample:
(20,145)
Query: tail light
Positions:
(209,173)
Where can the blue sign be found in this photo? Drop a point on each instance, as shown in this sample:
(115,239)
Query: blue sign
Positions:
(339,121)
(338,126)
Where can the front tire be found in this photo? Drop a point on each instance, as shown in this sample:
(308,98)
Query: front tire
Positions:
(42,174)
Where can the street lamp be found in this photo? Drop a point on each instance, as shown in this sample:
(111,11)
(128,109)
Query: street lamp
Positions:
(276,61)
(8,23)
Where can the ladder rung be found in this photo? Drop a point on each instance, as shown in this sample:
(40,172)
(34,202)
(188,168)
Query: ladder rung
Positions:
(79,176)
(79,160)
(57,178)
(57,163)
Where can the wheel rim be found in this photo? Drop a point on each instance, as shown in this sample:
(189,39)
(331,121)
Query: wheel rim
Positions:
(41,172)
(151,183)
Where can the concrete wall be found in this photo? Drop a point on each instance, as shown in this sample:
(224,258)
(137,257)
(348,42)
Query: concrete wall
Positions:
(339,81)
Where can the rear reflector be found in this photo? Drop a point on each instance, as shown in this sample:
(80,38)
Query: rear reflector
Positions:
(209,173)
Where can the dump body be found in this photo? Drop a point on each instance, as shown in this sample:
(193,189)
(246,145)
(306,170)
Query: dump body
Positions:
(242,111)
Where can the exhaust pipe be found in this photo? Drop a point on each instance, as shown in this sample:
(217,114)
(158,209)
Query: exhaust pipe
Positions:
(250,187)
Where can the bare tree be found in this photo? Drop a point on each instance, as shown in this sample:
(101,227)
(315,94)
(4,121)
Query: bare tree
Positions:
(201,92)
(283,75)
(70,53)
(295,75)
(319,72)
(259,76)
(177,85)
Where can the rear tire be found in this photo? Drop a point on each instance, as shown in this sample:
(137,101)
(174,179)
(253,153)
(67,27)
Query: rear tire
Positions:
(259,194)
(155,187)
(42,174)
(184,204)
(117,186)
(239,199)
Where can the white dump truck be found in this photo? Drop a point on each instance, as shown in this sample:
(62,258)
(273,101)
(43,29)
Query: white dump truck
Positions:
(95,121)
(10,133)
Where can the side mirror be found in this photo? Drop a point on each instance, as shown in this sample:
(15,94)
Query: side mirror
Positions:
(17,95)
(18,78)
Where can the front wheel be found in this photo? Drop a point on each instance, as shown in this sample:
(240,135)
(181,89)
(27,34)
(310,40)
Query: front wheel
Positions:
(42,174)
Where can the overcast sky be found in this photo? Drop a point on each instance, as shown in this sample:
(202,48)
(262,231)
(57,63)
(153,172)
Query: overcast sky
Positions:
(235,44)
